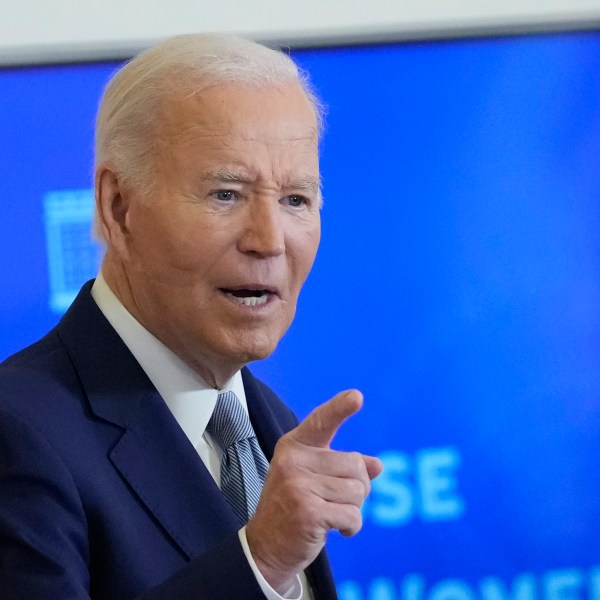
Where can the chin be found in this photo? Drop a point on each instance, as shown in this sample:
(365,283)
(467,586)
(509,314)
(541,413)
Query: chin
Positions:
(236,346)
(258,347)
(246,356)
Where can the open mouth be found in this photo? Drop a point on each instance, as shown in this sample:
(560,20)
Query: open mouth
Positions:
(248,296)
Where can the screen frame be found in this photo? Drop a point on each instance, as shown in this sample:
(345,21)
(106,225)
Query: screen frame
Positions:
(85,53)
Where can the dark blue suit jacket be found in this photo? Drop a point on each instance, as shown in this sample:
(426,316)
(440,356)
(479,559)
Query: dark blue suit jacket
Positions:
(101,493)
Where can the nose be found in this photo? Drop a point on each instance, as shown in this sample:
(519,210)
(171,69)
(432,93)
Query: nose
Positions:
(263,232)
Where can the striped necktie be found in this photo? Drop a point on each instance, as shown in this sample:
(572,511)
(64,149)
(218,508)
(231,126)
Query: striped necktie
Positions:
(244,466)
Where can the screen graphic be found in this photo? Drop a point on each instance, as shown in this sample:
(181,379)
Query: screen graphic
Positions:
(73,255)
(457,285)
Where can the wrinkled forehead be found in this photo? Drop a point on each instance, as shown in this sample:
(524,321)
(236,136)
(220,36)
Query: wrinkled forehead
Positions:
(282,111)
(246,134)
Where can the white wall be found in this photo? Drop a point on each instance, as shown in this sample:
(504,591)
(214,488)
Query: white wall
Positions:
(49,29)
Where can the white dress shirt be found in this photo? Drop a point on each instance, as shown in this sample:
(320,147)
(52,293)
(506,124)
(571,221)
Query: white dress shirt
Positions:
(190,399)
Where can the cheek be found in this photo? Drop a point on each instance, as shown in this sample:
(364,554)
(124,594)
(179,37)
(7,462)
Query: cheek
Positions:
(304,251)
(162,243)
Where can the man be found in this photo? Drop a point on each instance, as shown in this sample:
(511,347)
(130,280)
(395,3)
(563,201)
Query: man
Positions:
(111,463)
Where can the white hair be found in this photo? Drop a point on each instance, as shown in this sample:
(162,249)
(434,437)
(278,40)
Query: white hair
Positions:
(131,104)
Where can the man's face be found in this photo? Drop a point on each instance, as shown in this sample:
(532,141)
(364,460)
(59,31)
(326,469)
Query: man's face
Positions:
(216,258)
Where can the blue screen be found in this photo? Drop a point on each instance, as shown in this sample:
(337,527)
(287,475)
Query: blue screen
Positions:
(457,285)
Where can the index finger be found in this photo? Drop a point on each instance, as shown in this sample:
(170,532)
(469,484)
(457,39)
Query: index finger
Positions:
(321,425)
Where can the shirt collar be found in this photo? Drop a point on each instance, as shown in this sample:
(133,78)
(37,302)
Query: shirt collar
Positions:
(188,396)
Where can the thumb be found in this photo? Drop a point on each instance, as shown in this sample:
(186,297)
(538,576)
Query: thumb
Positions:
(321,425)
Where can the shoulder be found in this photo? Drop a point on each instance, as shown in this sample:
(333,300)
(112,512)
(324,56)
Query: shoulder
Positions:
(40,391)
(36,374)
(44,371)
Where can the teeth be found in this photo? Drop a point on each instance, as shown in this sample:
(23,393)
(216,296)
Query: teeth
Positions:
(250,300)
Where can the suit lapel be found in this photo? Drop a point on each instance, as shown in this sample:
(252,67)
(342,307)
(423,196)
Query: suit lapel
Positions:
(266,426)
(157,460)
(153,455)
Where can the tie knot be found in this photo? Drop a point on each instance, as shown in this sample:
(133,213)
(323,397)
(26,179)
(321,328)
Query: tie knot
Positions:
(229,422)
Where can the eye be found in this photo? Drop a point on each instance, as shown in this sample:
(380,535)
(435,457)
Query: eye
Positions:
(225,195)
(295,201)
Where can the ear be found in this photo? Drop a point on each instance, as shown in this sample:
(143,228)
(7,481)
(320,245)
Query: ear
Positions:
(112,205)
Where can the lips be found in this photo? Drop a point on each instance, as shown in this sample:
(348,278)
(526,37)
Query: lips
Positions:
(250,295)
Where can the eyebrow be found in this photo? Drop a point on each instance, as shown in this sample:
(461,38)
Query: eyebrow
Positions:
(309,184)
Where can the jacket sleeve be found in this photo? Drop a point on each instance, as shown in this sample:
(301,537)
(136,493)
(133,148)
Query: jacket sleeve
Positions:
(221,574)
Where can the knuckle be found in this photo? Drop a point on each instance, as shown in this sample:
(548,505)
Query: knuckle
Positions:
(355,463)
(352,521)
(361,468)
(282,444)
(366,485)
(284,456)
(357,490)
(355,518)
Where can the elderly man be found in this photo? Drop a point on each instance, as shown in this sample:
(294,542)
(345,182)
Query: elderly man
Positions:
(122,471)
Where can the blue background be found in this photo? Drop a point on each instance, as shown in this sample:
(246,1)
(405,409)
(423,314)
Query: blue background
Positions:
(457,285)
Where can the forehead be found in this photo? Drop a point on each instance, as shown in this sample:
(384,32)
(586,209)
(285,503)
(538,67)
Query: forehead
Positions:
(262,133)
(274,114)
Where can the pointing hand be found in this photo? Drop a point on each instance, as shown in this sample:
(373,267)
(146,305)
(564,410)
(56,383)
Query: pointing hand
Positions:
(310,490)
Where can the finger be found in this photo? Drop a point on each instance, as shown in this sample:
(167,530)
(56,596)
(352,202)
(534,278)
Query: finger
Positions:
(373,465)
(340,490)
(321,425)
(319,470)
(334,463)
(347,466)
(346,518)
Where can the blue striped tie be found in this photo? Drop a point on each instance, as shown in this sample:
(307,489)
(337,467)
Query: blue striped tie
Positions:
(244,466)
